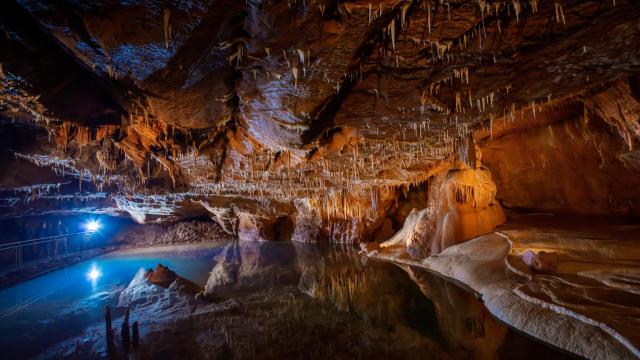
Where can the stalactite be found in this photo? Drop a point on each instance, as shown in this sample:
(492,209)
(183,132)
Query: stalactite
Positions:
(165,22)
(517,9)
(559,13)
(392,29)
(429,18)
(403,15)
(294,70)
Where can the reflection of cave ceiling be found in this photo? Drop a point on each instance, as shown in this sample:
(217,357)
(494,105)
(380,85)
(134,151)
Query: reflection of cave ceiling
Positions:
(171,108)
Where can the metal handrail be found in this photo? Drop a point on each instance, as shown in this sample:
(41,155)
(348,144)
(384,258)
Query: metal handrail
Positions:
(18,245)
(42,239)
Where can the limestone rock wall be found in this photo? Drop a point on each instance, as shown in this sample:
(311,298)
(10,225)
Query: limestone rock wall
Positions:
(580,164)
(167,234)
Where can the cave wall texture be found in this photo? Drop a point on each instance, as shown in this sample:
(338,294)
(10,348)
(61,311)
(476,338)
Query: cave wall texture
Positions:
(579,165)
(319,119)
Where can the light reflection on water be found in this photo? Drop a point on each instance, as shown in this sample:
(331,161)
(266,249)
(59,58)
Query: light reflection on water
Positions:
(60,305)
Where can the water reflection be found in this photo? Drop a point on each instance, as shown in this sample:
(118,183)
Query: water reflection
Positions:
(296,293)
(398,299)
(93,275)
(57,306)
(466,325)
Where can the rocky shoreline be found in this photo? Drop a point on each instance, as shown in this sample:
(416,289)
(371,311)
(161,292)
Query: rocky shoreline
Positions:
(481,264)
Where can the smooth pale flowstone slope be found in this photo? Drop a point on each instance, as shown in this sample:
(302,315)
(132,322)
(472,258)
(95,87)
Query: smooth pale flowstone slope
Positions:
(481,265)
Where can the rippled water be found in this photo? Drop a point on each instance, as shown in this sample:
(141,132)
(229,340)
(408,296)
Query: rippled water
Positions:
(383,298)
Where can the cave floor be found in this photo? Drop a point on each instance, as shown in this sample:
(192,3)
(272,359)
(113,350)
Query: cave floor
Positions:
(596,284)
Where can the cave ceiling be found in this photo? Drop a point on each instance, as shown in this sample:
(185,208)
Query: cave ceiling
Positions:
(169,109)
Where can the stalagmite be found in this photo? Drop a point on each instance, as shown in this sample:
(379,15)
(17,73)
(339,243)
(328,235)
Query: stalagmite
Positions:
(126,338)
(108,329)
(135,336)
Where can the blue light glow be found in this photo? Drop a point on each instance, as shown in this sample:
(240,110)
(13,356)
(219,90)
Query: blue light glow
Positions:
(92,225)
(94,274)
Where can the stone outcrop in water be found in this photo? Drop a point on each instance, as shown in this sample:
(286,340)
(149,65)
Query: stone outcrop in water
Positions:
(167,278)
(157,303)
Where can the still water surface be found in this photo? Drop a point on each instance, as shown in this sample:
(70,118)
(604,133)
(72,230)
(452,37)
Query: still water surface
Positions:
(42,312)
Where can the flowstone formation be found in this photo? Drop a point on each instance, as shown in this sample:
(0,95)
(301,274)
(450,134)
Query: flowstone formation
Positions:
(319,119)
(462,205)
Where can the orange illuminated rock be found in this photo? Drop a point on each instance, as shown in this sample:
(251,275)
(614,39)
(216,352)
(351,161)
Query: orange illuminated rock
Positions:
(462,205)
(162,276)
(165,277)
(468,207)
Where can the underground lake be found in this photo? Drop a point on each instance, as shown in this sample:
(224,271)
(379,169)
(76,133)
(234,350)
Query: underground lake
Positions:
(320,179)
(271,300)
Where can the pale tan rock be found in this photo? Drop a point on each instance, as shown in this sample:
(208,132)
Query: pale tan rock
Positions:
(462,205)
(542,261)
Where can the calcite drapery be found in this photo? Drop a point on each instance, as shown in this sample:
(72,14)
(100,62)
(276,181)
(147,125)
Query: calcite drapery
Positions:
(462,205)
